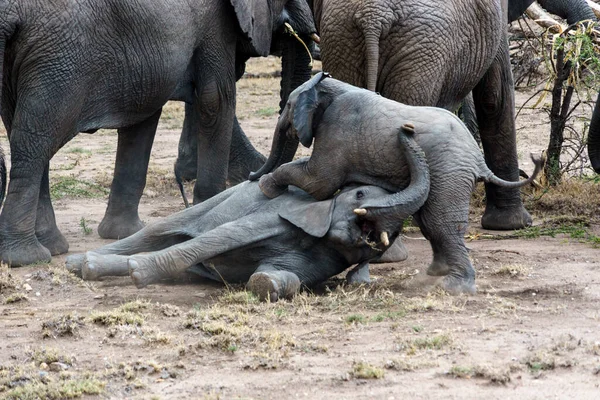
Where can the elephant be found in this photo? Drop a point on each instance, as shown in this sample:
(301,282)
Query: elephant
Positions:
(78,66)
(276,245)
(354,131)
(243,157)
(434,53)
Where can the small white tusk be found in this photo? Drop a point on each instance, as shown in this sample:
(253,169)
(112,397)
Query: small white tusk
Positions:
(360,211)
(315,38)
(384,239)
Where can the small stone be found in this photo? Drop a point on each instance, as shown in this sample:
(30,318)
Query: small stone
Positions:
(43,366)
(58,366)
(200,294)
(27,287)
(38,294)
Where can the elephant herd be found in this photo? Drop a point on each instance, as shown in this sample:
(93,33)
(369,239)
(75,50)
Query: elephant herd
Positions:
(83,65)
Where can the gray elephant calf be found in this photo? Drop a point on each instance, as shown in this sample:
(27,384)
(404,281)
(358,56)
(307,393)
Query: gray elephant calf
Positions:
(355,131)
(241,235)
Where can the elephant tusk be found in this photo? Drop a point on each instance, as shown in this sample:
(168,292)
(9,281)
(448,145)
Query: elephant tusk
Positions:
(360,211)
(384,239)
(409,128)
(292,32)
(315,38)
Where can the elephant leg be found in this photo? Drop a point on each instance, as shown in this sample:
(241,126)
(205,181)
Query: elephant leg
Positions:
(133,154)
(495,108)
(272,284)
(215,108)
(359,274)
(46,230)
(243,157)
(298,173)
(30,153)
(146,269)
(444,226)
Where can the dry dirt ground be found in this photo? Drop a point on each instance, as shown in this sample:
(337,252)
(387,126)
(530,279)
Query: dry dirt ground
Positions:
(531,331)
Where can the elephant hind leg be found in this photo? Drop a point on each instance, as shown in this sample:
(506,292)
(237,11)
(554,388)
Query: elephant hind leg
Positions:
(444,225)
(46,230)
(133,154)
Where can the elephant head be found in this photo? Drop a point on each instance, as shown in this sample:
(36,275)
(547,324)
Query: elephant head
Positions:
(302,112)
(335,220)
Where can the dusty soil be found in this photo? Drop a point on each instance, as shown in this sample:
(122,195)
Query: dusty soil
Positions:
(531,331)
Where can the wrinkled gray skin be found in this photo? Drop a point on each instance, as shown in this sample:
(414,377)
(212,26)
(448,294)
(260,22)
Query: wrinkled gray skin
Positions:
(354,132)
(433,53)
(243,157)
(572,10)
(74,66)
(240,235)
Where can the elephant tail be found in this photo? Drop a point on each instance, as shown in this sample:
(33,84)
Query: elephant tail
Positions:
(488,176)
(372,57)
(2,177)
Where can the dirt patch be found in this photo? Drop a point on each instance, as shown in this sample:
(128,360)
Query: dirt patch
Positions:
(531,330)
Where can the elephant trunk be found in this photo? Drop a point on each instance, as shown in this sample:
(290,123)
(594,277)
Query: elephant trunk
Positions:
(296,70)
(390,211)
(572,10)
(2,177)
(594,138)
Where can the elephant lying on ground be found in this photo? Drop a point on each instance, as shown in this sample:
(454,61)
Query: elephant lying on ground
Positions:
(354,132)
(82,65)
(276,245)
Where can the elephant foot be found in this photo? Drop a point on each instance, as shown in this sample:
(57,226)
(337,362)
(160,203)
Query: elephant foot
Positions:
(437,268)
(144,272)
(395,253)
(119,227)
(269,187)
(25,252)
(54,241)
(359,274)
(74,263)
(459,285)
(504,219)
(96,266)
(274,285)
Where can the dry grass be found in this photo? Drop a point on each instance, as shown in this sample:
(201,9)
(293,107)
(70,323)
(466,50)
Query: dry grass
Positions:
(512,271)
(492,374)
(126,314)
(364,370)
(427,343)
(64,325)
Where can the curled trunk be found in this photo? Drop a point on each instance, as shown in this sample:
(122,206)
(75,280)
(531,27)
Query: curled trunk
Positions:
(390,211)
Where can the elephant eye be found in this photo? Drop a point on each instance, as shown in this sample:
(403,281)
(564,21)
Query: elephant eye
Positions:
(360,194)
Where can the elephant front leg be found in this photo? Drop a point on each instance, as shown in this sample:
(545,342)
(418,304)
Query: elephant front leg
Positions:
(271,284)
(133,154)
(46,230)
(215,108)
(18,242)
(495,108)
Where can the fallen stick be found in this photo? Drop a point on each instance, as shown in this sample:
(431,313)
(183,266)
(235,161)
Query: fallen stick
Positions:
(595,7)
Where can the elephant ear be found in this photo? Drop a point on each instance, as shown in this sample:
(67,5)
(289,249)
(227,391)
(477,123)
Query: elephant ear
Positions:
(305,108)
(255,18)
(313,217)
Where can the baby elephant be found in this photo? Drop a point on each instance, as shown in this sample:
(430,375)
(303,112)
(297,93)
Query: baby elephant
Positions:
(355,133)
(240,235)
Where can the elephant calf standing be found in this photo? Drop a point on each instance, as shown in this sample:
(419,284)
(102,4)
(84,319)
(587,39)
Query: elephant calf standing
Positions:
(241,235)
(356,135)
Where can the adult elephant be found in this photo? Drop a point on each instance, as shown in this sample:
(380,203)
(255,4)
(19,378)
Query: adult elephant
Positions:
(433,54)
(243,157)
(78,66)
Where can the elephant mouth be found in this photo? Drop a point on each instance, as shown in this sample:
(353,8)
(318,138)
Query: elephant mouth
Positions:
(368,233)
